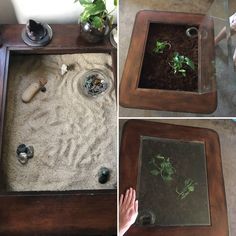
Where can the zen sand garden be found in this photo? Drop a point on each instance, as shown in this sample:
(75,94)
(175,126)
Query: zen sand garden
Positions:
(73,136)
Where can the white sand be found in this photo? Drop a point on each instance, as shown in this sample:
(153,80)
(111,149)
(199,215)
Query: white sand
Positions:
(73,136)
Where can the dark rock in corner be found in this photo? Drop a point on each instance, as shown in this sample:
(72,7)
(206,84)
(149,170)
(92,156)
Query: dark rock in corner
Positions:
(103,175)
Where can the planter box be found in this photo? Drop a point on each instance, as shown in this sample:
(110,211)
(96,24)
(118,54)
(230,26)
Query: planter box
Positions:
(78,212)
(194,153)
(148,81)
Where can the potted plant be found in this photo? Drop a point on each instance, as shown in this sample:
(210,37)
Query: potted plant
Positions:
(95,20)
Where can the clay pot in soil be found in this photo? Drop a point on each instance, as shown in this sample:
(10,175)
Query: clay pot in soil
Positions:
(92,34)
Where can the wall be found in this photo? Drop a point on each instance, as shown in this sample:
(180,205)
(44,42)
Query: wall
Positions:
(7,14)
(49,11)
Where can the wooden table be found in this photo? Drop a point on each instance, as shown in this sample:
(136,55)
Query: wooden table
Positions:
(133,132)
(90,212)
(132,96)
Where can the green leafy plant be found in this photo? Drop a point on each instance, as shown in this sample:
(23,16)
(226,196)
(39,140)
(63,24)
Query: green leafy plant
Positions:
(163,167)
(95,12)
(179,63)
(189,187)
(161,46)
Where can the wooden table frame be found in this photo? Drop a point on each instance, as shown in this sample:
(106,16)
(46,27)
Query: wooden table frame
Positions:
(91,212)
(129,154)
(167,100)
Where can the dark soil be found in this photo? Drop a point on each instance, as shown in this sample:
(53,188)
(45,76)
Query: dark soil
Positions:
(156,72)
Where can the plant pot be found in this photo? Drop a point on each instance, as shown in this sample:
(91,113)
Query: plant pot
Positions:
(92,34)
(149,81)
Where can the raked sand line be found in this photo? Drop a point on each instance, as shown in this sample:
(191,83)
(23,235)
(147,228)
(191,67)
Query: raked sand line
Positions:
(73,136)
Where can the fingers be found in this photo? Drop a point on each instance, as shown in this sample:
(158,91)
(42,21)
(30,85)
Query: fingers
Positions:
(131,198)
(121,199)
(134,197)
(126,197)
(136,206)
(128,200)
(132,202)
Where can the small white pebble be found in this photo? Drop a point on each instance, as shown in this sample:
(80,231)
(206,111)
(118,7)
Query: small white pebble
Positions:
(64,69)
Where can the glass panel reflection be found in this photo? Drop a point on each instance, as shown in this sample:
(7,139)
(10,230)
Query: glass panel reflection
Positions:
(172,183)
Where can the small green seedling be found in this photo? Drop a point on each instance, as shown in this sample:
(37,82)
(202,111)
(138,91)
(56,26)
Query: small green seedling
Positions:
(161,46)
(163,167)
(179,62)
(189,187)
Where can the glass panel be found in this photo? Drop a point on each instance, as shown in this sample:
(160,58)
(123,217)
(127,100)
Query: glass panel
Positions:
(220,67)
(172,183)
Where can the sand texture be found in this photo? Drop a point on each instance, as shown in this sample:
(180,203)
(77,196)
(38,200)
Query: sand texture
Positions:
(73,136)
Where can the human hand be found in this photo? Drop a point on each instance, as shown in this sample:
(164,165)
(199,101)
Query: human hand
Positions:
(128,211)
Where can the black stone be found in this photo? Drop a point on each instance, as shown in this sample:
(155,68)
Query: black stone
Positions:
(21,148)
(71,67)
(22,158)
(103,175)
(30,151)
(146,220)
(43,89)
